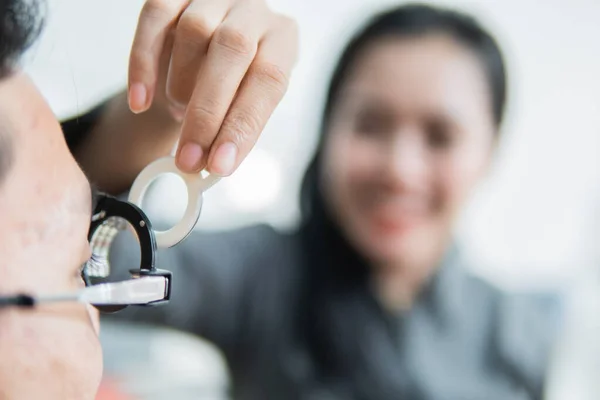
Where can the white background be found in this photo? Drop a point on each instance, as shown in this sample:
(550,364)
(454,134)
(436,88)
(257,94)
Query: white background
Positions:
(536,221)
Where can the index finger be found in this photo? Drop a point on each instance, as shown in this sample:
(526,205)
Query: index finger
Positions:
(261,91)
(156,20)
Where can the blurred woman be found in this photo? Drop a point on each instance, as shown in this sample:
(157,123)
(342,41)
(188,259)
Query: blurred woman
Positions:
(369,298)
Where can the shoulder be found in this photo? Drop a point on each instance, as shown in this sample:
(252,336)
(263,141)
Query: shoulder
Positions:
(516,311)
(523,329)
(256,268)
(248,243)
(246,236)
(240,251)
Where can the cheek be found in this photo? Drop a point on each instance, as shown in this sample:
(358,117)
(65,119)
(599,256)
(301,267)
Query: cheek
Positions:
(68,356)
(458,176)
(76,348)
(350,161)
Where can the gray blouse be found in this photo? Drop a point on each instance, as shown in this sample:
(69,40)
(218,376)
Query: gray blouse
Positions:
(463,339)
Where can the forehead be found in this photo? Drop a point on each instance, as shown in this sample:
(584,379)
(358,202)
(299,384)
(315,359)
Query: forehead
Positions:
(421,73)
(44,198)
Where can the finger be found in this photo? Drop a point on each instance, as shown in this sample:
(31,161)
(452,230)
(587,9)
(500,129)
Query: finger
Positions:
(156,19)
(260,93)
(192,36)
(230,53)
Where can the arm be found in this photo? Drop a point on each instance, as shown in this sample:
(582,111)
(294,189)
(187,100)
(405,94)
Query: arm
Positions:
(526,336)
(113,145)
(210,282)
(205,64)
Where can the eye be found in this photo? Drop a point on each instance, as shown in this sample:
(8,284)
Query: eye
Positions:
(373,122)
(95,271)
(97,265)
(439,135)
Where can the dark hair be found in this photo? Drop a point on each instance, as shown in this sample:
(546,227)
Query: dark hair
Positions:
(20,25)
(340,322)
(411,20)
(419,20)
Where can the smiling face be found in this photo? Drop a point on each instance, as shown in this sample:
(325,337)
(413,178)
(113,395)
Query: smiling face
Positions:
(50,352)
(410,135)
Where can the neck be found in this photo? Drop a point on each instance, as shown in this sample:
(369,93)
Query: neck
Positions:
(398,284)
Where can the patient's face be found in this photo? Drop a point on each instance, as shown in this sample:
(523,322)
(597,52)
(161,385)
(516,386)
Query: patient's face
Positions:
(52,351)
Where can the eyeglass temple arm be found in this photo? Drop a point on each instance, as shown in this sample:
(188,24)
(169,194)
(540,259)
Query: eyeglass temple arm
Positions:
(21,300)
(140,291)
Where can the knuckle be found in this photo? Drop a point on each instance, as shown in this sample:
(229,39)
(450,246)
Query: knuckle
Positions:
(243,125)
(294,28)
(235,41)
(271,76)
(288,23)
(192,27)
(206,114)
(158,8)
(178,93)
(141,63)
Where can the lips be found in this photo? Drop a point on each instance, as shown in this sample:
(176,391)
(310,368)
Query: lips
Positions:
(397,218)
(387,226)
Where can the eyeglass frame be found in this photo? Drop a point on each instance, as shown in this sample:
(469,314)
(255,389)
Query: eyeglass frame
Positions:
(110,207)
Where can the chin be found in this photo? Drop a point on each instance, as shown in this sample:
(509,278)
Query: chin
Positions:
(385,249)
(394,246)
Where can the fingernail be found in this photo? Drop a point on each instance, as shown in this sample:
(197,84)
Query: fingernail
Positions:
(177,112)
(224,159)
(189,157)
(138,96)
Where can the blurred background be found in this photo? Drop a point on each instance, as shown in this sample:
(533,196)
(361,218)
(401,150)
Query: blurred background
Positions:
(534,224)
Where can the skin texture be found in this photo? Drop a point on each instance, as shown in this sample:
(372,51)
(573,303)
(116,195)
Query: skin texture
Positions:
(411,136)
(51,352)
(208,73)
(243,54)
(228,67)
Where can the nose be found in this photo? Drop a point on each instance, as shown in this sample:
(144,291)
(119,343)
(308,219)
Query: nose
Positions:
(405,161)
